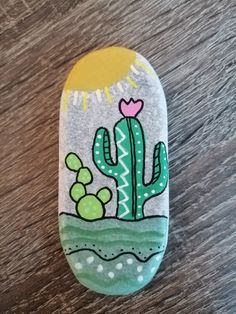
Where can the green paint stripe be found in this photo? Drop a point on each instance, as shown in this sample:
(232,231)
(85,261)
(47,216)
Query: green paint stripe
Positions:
(110,231)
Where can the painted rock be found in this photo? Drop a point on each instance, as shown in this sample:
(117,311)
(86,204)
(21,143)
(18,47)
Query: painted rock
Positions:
(113,172)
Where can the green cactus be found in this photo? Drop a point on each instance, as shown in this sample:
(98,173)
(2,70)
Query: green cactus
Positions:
(129,168)
(88,206)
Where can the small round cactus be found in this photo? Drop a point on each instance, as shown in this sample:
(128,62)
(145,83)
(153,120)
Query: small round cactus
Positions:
(88,206)
(73,162)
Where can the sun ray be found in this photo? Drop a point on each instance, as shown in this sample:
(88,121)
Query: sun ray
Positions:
(84,101)
(108,95)
(75,98)
(120,87)
(142,65)
(131,82)
(99,95)
(65,100)
(134,69)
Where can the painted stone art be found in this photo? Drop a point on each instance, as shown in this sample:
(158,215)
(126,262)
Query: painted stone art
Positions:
(113,171)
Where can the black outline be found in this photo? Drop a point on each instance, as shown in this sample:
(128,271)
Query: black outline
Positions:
(115,257)
(112,217)
(127,103)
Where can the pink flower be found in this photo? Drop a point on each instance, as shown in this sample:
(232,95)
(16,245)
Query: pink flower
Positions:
(130,108)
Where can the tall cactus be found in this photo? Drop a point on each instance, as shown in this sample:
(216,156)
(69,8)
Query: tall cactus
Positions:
(128,169)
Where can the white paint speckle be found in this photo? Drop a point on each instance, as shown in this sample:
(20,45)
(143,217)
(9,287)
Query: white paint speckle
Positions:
(139,206)
(139,196)
(153,269)
(139,160)
(98,161)
(135,126)
(137,133)
(99,136)
(140,278)
(90,259)
(97,144)
(119,266)
(102,167)
(138,142)
(139,268)
(164,167)
(111,274)
(153,191)
(78,266)
(139,151)
(145,194)
(138,184)
(164,177)
(161,184)
(139,171)
(116,174)
(97,153)
(110,171)
(99,268)
(130,261)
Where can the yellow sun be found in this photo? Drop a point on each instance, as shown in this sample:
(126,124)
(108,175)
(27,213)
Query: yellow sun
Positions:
(99,70)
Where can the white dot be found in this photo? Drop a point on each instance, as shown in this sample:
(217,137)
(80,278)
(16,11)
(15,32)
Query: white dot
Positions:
(139,171)
(139,214)
(97,153)
(139,268)
(135,126)
(98,161)
(157,257)
(139,151)
(110,171)
(99,268)
(140,278)
(146,194)
(153,269)
(78,266)
(164,167)
(137,133)
(119,266)
(139,184)
(116,174)
(139,206)
(161,184)
(111,274)
(139,160)
(90,259)
(102,167)
(99,136)
(138,142)
(165,158)
(139,196)
(130,261)
(153,191)
(164,177)
(97,144)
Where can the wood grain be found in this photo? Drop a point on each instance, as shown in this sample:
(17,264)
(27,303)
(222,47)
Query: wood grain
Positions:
(192,45)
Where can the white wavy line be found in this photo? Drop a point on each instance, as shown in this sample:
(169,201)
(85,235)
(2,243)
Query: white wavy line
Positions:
(124,174)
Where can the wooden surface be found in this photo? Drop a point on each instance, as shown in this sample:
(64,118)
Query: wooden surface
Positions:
(192,45)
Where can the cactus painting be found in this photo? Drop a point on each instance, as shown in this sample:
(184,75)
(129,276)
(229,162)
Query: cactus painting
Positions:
(113,171)
(128,169)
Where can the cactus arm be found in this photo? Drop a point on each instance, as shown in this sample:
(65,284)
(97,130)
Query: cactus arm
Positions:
(102,152)
(159,179)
